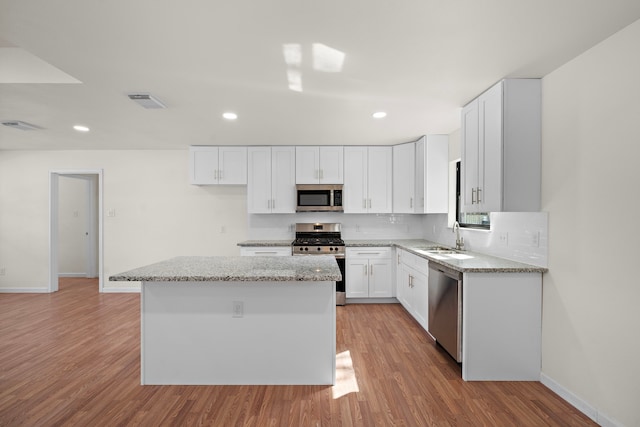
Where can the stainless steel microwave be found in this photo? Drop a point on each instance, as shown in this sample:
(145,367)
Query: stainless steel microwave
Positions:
(319,198)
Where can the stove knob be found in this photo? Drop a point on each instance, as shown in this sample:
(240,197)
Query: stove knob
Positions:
(330,249)
(306,249)
(319,248)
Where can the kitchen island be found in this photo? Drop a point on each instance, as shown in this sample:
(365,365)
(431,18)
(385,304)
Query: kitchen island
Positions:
(237,320)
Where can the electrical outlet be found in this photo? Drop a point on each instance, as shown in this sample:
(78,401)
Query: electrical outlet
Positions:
(238,309)
(503,238)
(111,213)
(535,239)
(3,271)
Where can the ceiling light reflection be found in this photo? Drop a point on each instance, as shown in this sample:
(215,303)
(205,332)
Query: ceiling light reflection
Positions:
(327,59)
(230,116)
(81,128)
(292,54)
(379,115)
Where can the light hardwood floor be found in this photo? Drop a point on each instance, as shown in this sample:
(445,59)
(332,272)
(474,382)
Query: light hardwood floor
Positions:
(73,358)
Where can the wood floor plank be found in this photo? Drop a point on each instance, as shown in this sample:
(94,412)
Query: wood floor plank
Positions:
(73,358)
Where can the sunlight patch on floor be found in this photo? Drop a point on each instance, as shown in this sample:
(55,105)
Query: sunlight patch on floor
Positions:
(345,376)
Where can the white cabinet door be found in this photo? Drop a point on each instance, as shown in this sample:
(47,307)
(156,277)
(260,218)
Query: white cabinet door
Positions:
(420,298)
(357,282)
(259,181)
(380,180)
(307,165)
(217,165)
(332,165)
(489,192)
(470,157)
(404,177)
(283,177)
(355,196)
(232,162)
(380,281)
(436,174)
(320,165)
(203,165)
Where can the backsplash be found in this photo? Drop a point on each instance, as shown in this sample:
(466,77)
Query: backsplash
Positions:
(518,236)
(354,226)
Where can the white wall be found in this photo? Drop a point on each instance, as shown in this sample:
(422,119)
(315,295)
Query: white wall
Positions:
(158,214)
(590,152)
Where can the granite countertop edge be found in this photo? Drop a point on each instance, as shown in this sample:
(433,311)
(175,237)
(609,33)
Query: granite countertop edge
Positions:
(490,264)
(236,269)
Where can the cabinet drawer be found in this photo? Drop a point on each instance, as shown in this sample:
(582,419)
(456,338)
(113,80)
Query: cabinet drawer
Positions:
(368,253)
(265,251)
(414,261)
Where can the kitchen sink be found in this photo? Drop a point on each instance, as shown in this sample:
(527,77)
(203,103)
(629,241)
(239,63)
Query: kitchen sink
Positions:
(440,252)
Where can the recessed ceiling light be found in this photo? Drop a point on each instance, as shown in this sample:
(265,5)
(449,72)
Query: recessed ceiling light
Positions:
(81,128)
(230,116)
(379,115)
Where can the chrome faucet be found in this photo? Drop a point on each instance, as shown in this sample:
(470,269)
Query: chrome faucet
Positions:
(459,240)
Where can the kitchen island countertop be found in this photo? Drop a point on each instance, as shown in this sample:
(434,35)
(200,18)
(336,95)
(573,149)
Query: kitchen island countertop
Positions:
(239,269)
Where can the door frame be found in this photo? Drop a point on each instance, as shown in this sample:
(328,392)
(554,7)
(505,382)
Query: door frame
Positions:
(54,236)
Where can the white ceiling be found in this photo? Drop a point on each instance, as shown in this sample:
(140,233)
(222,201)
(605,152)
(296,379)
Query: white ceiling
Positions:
(418,60)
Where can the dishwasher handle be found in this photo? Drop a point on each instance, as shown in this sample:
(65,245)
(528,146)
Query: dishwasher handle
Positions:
(447,271)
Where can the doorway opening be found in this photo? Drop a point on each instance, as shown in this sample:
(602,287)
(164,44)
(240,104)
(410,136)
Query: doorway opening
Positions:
(75,226)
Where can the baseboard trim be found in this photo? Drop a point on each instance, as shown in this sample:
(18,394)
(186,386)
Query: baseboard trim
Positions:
(390,300)
(579,403)
(120,290)
(72,275)
(24,290)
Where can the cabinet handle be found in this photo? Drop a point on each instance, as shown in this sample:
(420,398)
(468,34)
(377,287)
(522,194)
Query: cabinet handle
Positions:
(478,194)
(321,173)
(365,269)
(473,196)
(369,203)
(411,202)
(220,175)
(265,252)
(410,281)
(215,174)
(371,270)
(398,259)
(273,203)
(364,203)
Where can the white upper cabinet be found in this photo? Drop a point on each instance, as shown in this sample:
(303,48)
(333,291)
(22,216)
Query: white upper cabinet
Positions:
(404,166)
(368,180)
(501,148)
(432,174)
(271,182)
(217,165)
(319,165)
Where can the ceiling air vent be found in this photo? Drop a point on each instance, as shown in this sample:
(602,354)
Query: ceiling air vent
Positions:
(146,100)
(17,124)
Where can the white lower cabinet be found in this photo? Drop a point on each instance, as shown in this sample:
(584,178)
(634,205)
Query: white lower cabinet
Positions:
(368,272)
(412,274)
(265,251)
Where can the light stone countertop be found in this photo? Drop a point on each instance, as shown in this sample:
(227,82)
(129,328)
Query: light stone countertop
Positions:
(475,263)
(264,243)
(319,268)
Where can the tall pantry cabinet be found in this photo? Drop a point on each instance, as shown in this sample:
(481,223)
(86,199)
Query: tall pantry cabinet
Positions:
(501,148)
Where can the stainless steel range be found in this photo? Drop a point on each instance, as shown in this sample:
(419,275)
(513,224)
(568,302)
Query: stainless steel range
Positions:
(322,239)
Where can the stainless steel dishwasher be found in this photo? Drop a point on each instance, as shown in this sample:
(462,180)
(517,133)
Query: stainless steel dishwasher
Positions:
(445,308)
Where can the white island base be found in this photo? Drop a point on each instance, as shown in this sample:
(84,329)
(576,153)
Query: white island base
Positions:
(195,333)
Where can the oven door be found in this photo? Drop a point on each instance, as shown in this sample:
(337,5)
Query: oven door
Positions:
(341,293)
